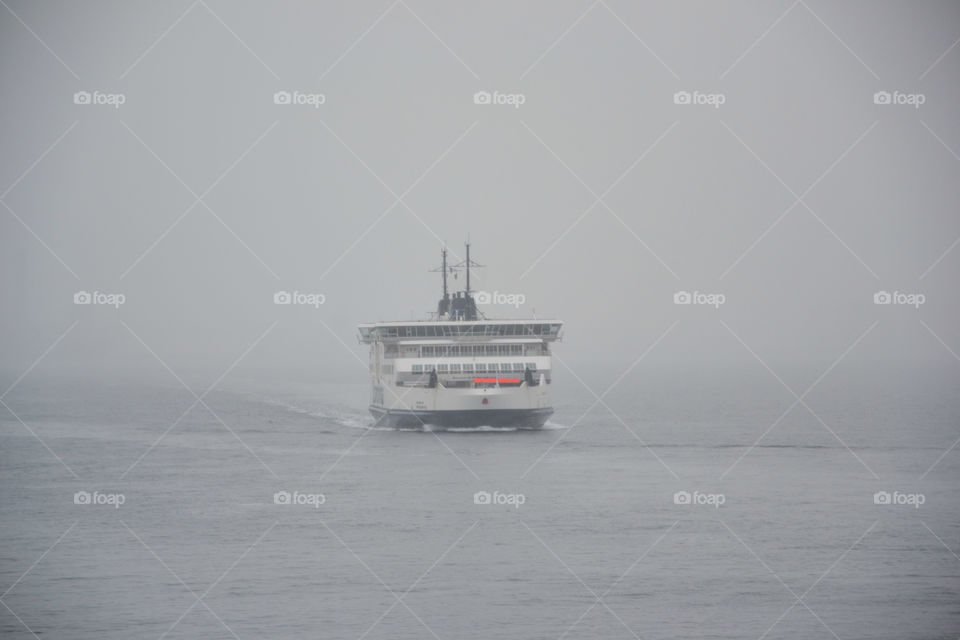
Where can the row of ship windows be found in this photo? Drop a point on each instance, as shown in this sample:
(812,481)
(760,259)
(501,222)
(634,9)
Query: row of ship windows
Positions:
(456,350)
(490,367)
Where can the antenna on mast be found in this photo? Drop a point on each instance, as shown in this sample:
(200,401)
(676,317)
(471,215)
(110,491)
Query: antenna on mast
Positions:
(444,306)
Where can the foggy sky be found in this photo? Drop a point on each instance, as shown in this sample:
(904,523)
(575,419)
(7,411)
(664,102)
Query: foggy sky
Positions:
(301,198)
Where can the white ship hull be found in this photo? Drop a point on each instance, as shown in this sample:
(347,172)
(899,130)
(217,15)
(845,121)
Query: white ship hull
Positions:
(413,407)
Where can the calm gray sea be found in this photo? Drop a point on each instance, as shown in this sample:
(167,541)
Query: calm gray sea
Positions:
(150,527)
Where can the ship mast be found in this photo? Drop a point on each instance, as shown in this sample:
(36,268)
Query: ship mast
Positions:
(459,306)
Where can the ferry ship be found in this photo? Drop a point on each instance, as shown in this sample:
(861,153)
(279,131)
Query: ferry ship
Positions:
(460,368)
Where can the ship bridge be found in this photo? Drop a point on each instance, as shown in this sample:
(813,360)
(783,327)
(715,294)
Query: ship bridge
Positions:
(461,331)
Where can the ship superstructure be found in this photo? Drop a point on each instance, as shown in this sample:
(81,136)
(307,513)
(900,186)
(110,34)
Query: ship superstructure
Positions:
(459,369)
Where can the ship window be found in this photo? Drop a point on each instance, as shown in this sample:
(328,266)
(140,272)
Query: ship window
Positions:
(490,349)
(516,349)
(454,368)
(492,366)
(453,351)
(427,368)
(468,368)
(532,366)
(417,368)
(481,367)
(442,368)
(503,349)
(518,366)
(428,352)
